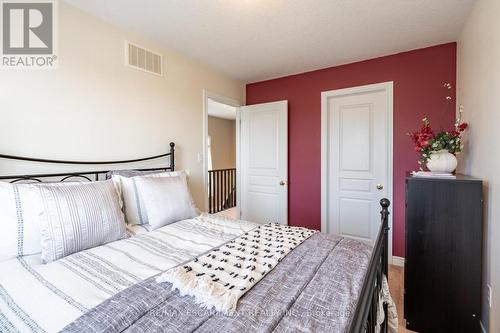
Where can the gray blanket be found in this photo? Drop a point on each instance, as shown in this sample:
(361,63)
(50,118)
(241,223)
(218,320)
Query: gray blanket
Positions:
(314,289)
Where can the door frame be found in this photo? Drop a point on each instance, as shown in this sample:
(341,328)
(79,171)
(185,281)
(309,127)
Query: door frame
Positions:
(388,87)
(228,101)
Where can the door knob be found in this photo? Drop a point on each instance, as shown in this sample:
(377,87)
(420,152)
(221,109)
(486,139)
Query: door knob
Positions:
(282,183)
(380,187)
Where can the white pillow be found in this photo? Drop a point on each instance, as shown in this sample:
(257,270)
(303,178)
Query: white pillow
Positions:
(20,211)
(166,199)
(79,216)
(134,206)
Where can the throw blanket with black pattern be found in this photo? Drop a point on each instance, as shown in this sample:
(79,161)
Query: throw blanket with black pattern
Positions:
(222,276)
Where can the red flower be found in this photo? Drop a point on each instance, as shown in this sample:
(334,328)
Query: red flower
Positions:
(455,133)
(462,127)
(422,138)
(424,143)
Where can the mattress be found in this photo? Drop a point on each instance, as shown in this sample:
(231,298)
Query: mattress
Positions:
(37,297)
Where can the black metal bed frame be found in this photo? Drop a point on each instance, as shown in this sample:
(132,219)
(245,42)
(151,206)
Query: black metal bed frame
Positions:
(84,174)
(365,316)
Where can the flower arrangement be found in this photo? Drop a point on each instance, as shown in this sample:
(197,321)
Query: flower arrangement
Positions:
(427,141)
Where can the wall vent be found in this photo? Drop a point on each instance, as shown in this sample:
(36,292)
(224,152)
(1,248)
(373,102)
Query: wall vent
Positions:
(143,59)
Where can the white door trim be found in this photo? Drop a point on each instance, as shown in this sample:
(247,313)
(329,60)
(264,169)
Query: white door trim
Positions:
(325,95)
(228,101)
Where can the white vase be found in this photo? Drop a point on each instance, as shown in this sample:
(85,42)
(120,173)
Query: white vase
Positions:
(442,161)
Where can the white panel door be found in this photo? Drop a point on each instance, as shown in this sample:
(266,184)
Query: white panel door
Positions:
(356,159)
(264,162)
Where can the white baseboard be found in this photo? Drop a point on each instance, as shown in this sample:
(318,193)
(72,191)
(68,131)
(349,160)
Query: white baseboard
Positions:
(398,261)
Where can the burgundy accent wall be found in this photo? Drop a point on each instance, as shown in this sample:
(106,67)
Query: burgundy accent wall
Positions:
(418,78)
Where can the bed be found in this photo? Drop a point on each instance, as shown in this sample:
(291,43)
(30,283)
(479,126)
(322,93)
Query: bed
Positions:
(326,284)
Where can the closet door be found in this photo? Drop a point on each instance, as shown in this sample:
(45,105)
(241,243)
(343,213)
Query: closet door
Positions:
(356,162)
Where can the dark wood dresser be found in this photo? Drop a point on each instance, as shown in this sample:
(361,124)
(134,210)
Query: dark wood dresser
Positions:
(443,254)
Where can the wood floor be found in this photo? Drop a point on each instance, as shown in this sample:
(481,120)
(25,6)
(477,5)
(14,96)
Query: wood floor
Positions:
(396,287)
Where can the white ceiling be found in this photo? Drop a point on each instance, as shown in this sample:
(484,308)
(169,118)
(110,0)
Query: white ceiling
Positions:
(219,110)
(253,40)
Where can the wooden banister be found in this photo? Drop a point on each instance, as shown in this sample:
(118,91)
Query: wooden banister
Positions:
(221,189)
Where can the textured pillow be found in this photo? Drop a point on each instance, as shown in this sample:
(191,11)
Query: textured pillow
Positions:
(135,211)
(79,216)
(166,199)
(20,210)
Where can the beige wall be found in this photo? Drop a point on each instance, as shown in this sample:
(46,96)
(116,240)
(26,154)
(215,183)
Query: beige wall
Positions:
(479,92)
(222,134)
(93,107)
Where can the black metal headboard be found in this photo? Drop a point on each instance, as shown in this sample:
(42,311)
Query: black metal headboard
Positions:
(84,174)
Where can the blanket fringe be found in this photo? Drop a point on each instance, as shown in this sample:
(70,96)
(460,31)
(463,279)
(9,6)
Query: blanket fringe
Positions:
(221,277)
(206,293)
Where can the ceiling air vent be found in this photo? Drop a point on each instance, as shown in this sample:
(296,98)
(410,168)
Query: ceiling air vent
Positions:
(143,59)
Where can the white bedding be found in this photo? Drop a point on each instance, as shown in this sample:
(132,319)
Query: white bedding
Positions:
(37,297)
